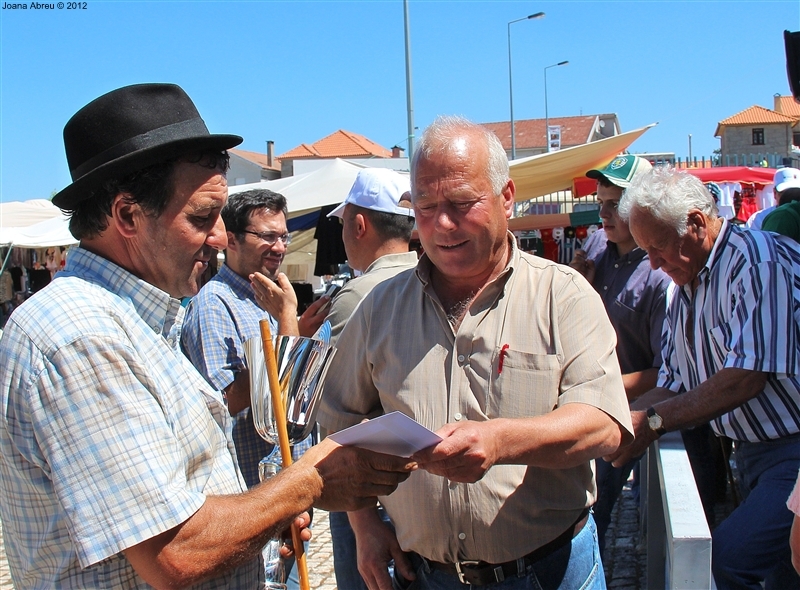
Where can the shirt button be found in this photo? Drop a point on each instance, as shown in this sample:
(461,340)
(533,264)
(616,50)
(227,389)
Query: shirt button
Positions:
(462,536)
(605,287)
(460,358)
(616,266)
(458,416)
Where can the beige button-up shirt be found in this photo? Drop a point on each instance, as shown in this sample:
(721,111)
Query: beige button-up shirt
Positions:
(399,352)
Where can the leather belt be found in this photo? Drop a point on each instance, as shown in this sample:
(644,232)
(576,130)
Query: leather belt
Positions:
(480,573)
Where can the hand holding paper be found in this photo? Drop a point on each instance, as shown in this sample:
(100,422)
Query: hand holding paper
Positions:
(392,434)
(466,452)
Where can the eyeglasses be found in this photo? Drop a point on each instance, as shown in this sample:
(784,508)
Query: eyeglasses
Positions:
(270,238)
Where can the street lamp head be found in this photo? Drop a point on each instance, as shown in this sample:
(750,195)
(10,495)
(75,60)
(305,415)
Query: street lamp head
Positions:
(562,63)
(537,15)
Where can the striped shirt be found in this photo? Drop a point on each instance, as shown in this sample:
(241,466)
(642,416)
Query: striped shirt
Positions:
(108,435)
(744,314)
(219,320)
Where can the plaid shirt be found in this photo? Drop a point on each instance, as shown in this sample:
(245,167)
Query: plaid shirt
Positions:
(108,435)
(223,316)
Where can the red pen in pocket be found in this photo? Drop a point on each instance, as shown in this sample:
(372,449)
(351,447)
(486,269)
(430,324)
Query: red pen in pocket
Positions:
(502,357)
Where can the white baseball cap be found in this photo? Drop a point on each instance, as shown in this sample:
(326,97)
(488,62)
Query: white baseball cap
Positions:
(378,189)
(786,178)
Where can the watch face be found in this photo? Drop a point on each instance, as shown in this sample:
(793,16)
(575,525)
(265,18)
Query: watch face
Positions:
(655,422)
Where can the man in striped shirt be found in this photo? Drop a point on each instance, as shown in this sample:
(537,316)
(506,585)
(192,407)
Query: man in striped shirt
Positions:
(731,356)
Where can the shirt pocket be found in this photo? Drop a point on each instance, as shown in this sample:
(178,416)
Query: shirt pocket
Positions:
(524,384)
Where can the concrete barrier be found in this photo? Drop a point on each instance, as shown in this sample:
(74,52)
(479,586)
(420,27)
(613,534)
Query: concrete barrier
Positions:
(674,524)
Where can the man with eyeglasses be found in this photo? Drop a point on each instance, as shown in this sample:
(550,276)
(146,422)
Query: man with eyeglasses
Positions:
(226,312)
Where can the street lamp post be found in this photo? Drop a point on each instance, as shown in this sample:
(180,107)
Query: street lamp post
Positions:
(546,115)
(409,100)
(537,15)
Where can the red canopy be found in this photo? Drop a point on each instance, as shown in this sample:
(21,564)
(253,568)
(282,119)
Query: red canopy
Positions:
(760,176)
(583,186)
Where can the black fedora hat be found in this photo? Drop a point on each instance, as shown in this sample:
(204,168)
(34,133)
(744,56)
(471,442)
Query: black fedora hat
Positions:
(129,129)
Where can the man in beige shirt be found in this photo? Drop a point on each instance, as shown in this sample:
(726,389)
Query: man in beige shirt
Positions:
(510,358)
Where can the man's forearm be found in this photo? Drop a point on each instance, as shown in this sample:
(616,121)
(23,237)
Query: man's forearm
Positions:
(639,382)
(227,531)
(566,437)
(721,393)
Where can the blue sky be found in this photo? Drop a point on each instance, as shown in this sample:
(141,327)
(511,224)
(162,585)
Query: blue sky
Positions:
(294,72)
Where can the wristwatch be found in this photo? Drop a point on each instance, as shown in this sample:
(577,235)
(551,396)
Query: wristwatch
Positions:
(655,422)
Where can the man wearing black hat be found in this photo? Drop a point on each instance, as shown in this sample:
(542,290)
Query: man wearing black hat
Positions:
(116,465)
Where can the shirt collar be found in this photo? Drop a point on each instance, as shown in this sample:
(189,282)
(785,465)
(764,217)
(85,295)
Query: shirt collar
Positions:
(719,245)
(633,256)
(240,285)
(425,266)
(157,309)
(392,260)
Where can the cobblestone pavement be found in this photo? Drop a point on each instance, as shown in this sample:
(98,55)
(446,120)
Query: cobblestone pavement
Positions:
(625,555)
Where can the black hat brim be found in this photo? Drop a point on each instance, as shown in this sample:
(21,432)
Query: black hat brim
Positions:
(83,188)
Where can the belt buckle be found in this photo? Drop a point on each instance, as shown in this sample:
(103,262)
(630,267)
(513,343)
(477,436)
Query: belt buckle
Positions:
(460,573)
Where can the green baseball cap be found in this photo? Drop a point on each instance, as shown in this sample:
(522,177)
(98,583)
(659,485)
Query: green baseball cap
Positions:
(621,170)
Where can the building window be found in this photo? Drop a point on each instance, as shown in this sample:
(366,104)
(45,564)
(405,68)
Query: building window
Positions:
(758,136)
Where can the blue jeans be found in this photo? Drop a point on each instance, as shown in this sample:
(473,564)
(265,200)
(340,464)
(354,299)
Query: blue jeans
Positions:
(752,544)
(574,566)
(345,558)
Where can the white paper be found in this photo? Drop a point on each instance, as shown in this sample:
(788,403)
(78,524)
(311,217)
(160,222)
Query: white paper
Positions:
(392,434)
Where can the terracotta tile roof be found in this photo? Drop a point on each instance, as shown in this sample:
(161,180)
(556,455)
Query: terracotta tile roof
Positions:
(787,105)
(755,115)
(340,144)
(303,150)
(257,158)
(530,133)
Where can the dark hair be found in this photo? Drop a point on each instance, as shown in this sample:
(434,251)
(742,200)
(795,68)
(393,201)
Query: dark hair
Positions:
(789,195)
(149,187)
(606,183)
(240,206)
(389,226)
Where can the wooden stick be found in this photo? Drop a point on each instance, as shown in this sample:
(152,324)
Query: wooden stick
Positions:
(283,440)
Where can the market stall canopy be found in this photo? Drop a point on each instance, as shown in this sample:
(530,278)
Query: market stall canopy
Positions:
(26,213)
(309,192)
(723,174)
(45,234)
(556,171)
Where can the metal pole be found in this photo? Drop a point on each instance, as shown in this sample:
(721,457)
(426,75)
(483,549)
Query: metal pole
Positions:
(546,116)
(511,97)
(409,100)
(537,15)
(690,147)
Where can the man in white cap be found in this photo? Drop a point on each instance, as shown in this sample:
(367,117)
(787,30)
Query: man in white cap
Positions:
(787,189)
(377,221)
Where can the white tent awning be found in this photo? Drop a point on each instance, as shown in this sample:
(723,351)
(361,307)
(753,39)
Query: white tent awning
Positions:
(45,234)
(328,185)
